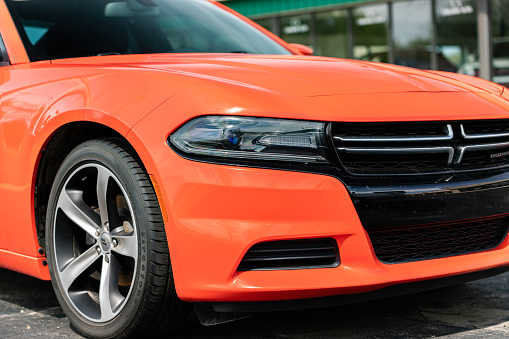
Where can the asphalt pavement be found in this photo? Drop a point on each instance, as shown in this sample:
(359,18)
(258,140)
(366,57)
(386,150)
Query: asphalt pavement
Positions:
(29,309)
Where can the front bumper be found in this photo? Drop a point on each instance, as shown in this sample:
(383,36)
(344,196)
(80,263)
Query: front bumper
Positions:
(216,213)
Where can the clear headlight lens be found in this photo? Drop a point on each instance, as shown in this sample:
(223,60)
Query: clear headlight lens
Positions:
(252,139)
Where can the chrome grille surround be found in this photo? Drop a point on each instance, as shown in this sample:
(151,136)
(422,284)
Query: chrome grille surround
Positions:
(383,148)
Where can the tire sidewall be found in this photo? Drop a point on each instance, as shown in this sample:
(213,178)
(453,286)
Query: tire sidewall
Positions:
(93,153)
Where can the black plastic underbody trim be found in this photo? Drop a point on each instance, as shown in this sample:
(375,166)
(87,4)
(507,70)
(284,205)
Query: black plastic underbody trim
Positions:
(386,292)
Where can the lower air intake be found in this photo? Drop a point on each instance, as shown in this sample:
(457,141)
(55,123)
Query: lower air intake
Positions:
(291,255)
(415,243)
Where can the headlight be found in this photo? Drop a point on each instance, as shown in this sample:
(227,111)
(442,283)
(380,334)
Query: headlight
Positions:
(252,139)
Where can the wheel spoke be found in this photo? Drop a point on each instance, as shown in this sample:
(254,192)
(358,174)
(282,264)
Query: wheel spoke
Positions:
(103,176)
(109,296)
(76,210)
(74,269)
(127,245)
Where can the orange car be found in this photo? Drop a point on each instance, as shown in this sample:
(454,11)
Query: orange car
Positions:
(132,131)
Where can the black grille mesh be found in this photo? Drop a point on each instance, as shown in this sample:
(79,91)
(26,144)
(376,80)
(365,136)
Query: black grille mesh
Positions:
(394,163)
(486,126)
(291,254)
(472,159)
(415,243)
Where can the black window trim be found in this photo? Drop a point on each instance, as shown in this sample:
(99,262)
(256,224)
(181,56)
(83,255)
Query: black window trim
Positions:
(4,61)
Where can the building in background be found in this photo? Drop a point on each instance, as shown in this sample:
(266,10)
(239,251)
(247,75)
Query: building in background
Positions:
(466,36)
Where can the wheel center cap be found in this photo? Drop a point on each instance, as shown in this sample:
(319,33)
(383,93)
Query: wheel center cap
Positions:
(105,241)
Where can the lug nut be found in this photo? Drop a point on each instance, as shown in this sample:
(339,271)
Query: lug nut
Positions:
(98,250)
(107,258)
(114,242)
(97,232)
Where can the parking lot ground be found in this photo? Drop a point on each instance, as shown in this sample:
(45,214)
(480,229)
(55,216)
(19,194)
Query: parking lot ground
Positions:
(29,309)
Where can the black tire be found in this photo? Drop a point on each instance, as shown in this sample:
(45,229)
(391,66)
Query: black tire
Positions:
(102,201)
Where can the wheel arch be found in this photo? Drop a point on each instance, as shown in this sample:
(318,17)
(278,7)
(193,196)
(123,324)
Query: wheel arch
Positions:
(56,148)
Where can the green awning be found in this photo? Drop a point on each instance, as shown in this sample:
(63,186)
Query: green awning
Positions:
(270,7)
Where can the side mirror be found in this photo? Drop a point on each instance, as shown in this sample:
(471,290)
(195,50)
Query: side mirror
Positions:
(302,49)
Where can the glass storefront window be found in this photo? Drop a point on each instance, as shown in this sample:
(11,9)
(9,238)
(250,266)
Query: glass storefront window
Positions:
(457,36)
(425,34)
(500,33)
(370,32)
(331,34)
(297,29)
(411,31)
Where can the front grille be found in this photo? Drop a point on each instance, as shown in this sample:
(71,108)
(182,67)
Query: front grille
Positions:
(421,147)
(291,254)
(486,127)
(415,243)
(383,164)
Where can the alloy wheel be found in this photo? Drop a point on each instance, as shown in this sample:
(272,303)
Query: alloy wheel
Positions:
(96,242)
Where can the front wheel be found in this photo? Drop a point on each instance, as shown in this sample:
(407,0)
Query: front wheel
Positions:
(106,246)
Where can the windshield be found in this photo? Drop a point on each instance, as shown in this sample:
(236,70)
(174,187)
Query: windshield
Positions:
(56,29)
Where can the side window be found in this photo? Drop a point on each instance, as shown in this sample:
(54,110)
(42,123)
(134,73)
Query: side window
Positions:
(4,59)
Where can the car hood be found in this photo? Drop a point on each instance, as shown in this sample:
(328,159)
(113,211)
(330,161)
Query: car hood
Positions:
(309,76)
(293,87)
(294,75)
